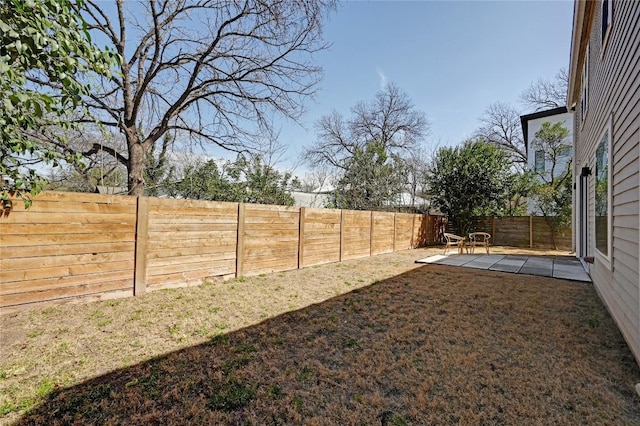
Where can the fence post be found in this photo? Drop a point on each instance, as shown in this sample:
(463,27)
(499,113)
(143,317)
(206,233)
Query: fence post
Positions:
(240,242)
(530,231)
(493,231)
(371,234)
(341,235)
(426,226)
(142,235)
(394,231)
(413,230)
(301,238)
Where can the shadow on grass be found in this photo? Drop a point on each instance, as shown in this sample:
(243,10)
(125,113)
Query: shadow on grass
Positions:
(437,344)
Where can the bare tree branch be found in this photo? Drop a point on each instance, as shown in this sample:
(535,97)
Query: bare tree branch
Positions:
(213,71)
(390,119)
(500,126)
(547,94)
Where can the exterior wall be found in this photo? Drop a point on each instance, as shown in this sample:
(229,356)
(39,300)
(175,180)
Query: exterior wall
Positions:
(533,126)
(614,103)
(310,199)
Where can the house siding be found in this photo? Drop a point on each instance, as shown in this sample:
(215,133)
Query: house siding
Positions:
(614,99)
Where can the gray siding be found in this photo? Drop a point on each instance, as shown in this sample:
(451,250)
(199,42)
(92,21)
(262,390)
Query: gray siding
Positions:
(614,97)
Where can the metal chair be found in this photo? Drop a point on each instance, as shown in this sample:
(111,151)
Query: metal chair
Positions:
(453,240)
(479,239)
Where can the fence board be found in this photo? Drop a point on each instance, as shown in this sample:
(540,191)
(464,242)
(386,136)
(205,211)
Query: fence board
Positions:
(202,234)
(25,263)
(77,218)
(274,244)
(81,290)
(69,249)
(59,282)
(404,231)
(357,234)
(427,230)
(383,233)
(66,245)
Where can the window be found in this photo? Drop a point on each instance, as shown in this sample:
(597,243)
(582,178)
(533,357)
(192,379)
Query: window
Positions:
(539,166)
(603,194)
(565,151)
(607,19)
(584,99)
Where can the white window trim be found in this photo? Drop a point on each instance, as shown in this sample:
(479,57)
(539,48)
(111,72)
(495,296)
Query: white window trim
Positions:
(605,39)
(606,259)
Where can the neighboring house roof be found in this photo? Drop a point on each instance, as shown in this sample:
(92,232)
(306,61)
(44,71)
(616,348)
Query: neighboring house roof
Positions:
(524,120)
(325,188)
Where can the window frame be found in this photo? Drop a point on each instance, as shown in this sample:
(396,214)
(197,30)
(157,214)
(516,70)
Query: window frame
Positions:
(605,259)
(605,26)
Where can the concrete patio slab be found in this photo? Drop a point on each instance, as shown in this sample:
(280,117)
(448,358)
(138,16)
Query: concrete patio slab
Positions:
(484,262)
(503,267)
(529,270)
(568,269)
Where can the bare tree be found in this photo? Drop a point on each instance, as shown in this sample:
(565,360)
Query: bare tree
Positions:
(213,70)
(547,94)
(390,119)
(417,165)
(316,180)
(500,126)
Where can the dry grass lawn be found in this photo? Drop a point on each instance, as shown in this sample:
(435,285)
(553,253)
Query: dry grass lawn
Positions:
(379,340)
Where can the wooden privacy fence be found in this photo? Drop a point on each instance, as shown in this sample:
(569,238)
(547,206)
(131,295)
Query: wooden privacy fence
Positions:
(72,245)
(522,231)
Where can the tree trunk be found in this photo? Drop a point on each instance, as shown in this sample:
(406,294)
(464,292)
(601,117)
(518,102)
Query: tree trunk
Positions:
(552,228)
(135,167)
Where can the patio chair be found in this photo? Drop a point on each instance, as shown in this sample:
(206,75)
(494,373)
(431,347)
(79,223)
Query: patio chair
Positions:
(453,240)
(479,239)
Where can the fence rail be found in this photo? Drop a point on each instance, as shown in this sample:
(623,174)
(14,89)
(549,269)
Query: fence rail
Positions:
(71,246)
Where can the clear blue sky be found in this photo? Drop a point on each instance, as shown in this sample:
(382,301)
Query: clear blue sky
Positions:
(453,58)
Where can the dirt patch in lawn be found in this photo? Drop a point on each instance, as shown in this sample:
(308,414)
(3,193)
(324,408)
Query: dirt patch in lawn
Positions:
(370,341)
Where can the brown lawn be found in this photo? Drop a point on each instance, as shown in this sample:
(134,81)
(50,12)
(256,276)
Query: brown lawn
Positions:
(370,341)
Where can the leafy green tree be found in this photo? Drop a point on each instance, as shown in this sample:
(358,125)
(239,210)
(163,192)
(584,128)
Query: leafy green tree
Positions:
(373,179)
(254,181)
(246,180)
(552,194)
(469,180)
(44,40)
(518,187)
(203,181)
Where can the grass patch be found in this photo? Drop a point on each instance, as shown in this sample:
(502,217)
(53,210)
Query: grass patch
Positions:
(234,364)
(231,395)
(426,345)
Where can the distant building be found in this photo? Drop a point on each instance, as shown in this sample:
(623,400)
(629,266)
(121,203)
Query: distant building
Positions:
(536,158)
(310,199)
